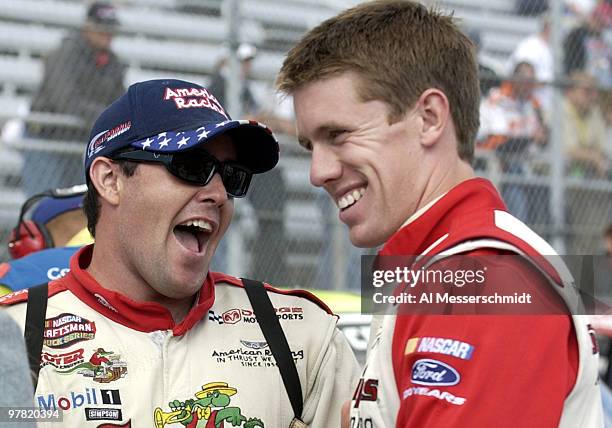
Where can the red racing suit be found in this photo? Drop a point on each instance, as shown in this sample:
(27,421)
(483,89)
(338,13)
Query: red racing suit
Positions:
(477,371)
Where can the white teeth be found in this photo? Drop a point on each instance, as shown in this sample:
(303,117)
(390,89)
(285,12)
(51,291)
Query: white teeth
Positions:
(200,224)
(350,198)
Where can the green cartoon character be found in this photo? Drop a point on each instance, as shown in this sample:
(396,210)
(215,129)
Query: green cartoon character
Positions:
(209,410)
(103,366)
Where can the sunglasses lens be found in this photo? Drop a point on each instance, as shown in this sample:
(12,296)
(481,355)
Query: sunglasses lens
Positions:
(193,168)
(235,179)
(199,168)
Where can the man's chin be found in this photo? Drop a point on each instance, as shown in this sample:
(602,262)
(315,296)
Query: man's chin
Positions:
(181,291)
(362,239)
(184,286)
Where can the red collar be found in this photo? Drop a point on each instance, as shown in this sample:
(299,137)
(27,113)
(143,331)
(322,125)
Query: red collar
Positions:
(141,316)
(469,201)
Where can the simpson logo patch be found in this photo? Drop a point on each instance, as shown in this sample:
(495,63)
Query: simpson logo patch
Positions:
(67,329)
(102,414)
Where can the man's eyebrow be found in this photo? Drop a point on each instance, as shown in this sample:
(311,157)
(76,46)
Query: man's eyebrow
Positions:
(321,131)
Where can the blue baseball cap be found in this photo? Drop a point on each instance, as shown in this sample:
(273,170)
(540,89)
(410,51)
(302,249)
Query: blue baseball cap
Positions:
(49,208)
(168,116)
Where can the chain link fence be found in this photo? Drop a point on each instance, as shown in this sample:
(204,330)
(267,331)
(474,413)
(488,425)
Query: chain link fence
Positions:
(546,114)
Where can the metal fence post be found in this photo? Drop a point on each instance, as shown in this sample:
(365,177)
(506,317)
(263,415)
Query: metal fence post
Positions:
(235,262)
(557,180)
(339,252)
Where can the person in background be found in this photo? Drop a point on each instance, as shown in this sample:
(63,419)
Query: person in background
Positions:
(511,124)
(584,142)
(269,194)
(81,77)
(530,7)
(49,231)
(537,51)
(246,53)
(585,47)
(486,75)
(16,385)
(579,9)
(386,102)
(584,128)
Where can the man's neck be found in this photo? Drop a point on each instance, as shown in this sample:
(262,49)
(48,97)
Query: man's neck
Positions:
(111,272)
(444,179)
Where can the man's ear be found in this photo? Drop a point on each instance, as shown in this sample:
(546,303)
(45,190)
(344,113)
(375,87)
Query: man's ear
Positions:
(105,176)
(434,109)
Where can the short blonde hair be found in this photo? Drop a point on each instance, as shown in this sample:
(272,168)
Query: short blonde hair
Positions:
(399,49)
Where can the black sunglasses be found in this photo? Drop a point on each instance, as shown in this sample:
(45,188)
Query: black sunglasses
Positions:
(197,167)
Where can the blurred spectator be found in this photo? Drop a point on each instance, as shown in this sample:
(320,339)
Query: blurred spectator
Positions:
(580,8)
(81,78)
(246,53)
(486,75)
(585,47)
(537,51)
(16,388)
(268,194)
(531,7)
(511,123)
(584,133)
(584,128)
(44,240)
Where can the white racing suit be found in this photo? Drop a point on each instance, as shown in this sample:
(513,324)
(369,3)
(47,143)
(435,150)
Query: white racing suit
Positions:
(109,361)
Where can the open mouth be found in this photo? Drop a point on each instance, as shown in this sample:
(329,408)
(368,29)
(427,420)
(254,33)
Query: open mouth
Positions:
(349,199)
(193,234)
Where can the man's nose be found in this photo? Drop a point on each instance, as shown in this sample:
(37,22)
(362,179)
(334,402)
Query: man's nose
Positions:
(324,165)
(214,191)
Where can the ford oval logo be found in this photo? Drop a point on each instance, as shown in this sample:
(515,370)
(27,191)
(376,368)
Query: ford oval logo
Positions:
(433,372)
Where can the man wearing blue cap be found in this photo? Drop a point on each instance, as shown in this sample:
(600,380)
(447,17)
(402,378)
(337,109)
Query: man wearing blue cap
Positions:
(139,332)
(48,233)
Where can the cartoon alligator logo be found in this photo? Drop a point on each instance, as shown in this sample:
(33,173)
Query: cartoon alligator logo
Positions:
(209,410)
(103,366)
